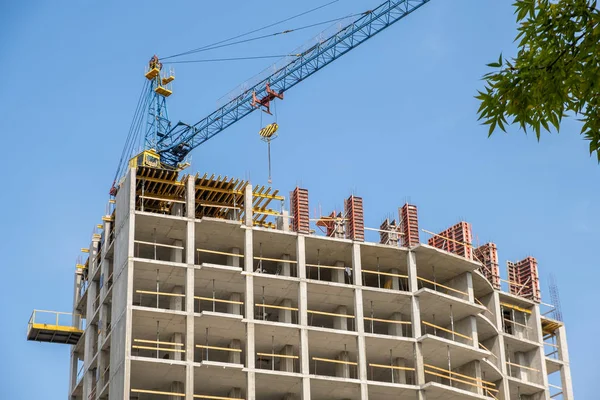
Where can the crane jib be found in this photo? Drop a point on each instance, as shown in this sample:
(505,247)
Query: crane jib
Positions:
(183,138)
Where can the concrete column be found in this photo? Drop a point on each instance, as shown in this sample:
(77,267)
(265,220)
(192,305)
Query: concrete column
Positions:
(416,322)
(494,305)
(285,315)
(396,329)
(392,282)
(235,357)
(176,338)
(176,387)
(176,302)
(303,319)
(190,251)
(249,300)
(565,371)
(177,209)
(522,373)
(360,326)
(73,370)
(234,261)
(468,327)
(235,308)
(287,364)
(470,291)
(339,275)
(538,359)
(343,370)
(341,322)
(177,254)
(284,268)
(283,222)
(399,374)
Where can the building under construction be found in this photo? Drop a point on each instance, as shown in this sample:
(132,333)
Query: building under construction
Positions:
(209,288)
(202,287)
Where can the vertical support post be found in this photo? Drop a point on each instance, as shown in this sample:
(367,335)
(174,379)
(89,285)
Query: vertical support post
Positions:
(190,250)
(303,317)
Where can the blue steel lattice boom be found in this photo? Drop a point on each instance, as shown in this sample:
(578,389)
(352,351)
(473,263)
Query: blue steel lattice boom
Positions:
(182,138)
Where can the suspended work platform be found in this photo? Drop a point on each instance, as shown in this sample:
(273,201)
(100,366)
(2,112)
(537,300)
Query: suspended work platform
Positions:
(53,327)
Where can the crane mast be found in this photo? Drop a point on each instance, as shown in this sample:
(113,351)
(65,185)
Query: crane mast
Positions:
(174,142)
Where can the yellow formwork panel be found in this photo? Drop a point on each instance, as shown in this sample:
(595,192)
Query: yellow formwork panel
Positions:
(163,91)
(168,79)
(153,73)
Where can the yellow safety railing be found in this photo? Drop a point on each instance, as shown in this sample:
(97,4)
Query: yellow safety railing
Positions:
(436,285)
(177,394)
(170,347)
(52,320)
(465,379)
(447,330)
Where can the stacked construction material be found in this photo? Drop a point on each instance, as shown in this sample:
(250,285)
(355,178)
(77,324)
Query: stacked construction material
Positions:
(456,239)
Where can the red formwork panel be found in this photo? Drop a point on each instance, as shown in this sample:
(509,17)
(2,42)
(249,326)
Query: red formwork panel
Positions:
(488,256)
(524,279)
(300,210)
(456,239)
(355,218)
(409,225)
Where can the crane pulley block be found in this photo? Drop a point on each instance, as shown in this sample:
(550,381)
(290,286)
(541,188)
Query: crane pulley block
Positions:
(265,102)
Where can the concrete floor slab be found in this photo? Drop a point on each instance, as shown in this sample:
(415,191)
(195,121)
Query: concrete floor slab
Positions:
(330,388)
(386,391)
(329,343)
(490,371)
(221,327)
(435,352)
(155,374)
(553,365)
(437,391)
(146,321)
(214,378)
(447,265)
(432,302)
(272,386)
(381,347)
(518,386)
(519,344)
(481,286)
(485,328)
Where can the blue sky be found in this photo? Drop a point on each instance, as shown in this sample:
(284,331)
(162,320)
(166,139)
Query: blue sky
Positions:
(393,120)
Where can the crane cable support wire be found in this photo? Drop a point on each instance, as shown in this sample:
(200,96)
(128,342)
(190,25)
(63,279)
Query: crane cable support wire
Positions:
(231,59)
(252,31)
(265,36)
(134,130)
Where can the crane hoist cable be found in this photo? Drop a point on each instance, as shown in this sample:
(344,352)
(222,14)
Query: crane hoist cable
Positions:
(254,30)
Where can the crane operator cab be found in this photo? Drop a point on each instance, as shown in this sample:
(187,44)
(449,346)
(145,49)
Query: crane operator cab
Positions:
(147,158)
(154,67)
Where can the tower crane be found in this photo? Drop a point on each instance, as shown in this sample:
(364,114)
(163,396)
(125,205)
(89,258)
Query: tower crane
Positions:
(167,145)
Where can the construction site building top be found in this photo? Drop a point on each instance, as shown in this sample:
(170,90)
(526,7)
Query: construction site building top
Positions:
(160,190)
